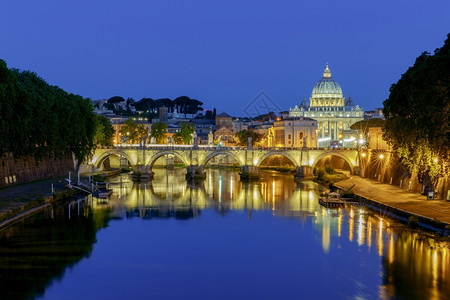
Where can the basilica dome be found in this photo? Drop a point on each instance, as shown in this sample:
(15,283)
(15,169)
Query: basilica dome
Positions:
(327,87)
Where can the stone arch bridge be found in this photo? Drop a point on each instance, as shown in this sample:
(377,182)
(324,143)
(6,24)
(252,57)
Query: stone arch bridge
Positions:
(142,158)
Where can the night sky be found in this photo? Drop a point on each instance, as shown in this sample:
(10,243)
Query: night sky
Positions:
(222,53)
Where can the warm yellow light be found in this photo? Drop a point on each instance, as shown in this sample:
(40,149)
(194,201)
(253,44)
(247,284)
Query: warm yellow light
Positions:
(381,156)
(255,161)
(363,155)
(435,160)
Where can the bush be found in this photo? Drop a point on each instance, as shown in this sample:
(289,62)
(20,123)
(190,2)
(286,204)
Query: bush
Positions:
(330,170)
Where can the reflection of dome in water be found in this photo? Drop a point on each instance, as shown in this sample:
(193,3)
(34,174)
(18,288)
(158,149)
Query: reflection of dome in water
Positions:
(327,87)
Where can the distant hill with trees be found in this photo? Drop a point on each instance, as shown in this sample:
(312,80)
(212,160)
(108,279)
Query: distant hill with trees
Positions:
(183,105)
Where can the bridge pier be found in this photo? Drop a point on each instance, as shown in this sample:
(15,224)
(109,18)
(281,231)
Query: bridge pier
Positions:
(249,172)
(195,172)
(303,173)
(123,162)
(142,172)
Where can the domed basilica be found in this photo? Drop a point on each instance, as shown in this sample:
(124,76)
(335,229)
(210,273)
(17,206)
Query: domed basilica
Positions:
(334,113)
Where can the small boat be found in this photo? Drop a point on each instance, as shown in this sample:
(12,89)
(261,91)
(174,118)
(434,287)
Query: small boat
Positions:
(332,200)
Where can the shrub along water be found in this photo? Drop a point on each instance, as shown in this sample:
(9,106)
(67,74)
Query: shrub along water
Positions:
(328,176)
(40,120)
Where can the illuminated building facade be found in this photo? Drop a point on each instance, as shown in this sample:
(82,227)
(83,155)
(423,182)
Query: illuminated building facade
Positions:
(333,112)
(293,132)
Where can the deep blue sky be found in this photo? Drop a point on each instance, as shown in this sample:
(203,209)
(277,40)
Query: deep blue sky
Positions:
(222,53)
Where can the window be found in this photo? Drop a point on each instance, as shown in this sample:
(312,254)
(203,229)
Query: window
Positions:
(301,135)
(289,136)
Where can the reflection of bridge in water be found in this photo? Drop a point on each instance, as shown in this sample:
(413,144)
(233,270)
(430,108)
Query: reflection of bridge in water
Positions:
(143,158)
(223,192)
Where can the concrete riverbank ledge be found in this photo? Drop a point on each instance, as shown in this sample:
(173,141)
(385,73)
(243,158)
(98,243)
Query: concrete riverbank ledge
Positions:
(388,199)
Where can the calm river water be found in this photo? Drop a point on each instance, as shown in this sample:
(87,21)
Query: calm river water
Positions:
(223,240)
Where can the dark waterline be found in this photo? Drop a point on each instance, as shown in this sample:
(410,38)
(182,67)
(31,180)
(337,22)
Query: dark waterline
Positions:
(223,240)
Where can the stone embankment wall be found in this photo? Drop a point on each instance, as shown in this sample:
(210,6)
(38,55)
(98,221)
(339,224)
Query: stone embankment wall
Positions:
(15,171)
(383,166)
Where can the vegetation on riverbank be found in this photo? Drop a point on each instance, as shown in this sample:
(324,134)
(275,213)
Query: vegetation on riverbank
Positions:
(40,120)
(328,176)
(417,116)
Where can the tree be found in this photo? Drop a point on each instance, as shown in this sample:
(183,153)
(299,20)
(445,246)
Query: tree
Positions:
(130,102)
(417,116)
(159,132)
(14,105)
(104,132)
(243,135)
(184,136)
(164,102)
(134,132)
(116,99)
(145,104)
(208,115)
(38,119)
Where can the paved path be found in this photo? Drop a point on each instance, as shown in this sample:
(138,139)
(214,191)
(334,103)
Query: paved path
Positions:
(19,195)
(398,198)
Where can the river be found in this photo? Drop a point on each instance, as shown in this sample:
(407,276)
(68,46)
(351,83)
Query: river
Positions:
(222,239)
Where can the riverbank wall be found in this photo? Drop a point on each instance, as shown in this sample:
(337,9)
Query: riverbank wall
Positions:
(387,200)
(415,219)
(15,171)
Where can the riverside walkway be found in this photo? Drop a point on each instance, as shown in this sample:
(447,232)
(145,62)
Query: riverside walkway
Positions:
(20,195)
(398,199)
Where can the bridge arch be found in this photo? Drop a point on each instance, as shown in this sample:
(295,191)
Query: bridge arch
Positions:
(267,155)
(337,154)
(157,155)
(218,153)
(99,161)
